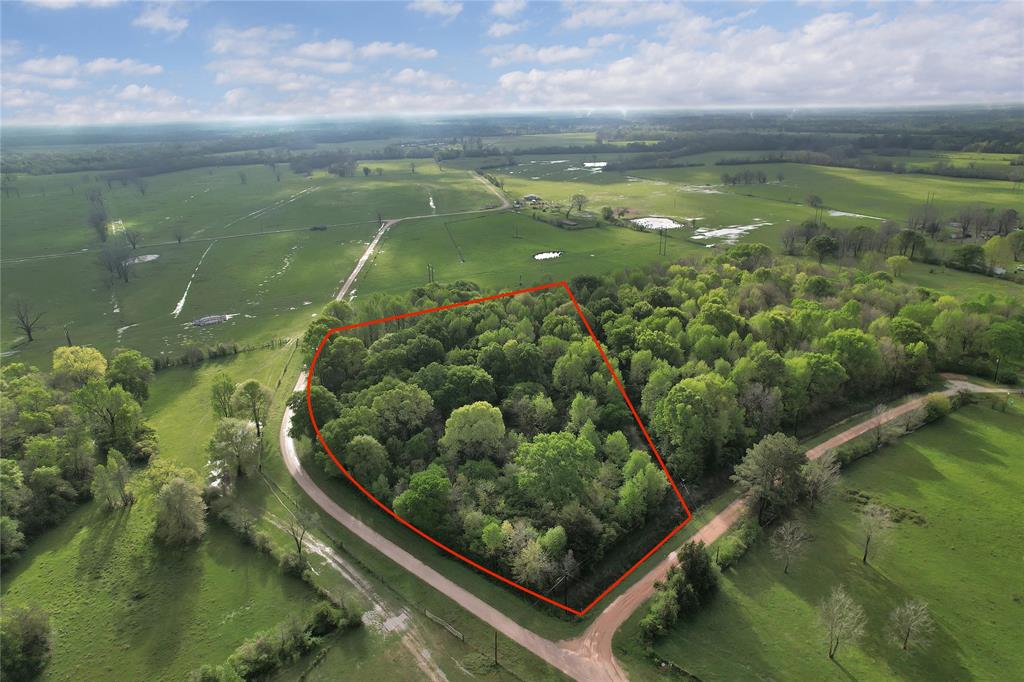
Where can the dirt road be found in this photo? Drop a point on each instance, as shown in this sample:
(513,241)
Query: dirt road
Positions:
(388,224)
(596,642)
(589,656)
(567,661)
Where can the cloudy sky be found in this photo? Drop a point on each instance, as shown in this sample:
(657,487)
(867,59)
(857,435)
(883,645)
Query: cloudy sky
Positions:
(108,61)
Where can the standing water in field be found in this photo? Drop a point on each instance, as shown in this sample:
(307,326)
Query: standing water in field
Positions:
(728,234)
(433,209)
(655,222)
(181,303)
(546,255)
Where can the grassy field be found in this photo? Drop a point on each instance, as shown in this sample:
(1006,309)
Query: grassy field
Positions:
(487,250)
(123,608)
(697,192)
(962,476)
(262,266)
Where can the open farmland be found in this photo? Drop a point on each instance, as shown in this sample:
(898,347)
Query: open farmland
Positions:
(464,247)
(957,476)
(247,250)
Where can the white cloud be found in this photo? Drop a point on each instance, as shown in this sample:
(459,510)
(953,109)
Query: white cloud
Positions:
(330,49)
(606,40)
(20,78)
(832,59)
(602,14)
(66,4)
(399,50)
(125,66)
(149,95)
(508,8)
(441,8)
(500,29)
(251,71)
(10,48)
(61,65)
(158,18)
(255,40)
(18,98)
(423,79)
(512,54)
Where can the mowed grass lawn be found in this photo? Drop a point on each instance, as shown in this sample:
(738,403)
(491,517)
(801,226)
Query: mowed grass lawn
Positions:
(964,475)
(122,607)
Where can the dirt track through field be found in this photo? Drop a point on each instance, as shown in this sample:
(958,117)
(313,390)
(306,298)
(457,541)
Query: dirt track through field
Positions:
(388,224)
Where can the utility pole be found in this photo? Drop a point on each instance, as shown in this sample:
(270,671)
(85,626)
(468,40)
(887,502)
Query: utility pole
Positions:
(495,647)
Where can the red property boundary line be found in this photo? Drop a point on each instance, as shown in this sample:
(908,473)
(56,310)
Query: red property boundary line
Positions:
(393,514)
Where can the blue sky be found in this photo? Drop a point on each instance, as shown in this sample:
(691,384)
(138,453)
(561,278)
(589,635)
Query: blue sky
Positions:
(105,61)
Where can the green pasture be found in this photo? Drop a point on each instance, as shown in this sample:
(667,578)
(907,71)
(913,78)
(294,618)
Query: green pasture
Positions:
(263,267)
(50,215)
(877,194)
(963,476)
(271,283)
(927,158)
(122,607)
(486,249)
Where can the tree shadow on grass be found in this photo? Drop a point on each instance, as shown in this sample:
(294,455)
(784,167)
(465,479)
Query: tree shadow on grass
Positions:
(159,603)
(105,527)
(718,641)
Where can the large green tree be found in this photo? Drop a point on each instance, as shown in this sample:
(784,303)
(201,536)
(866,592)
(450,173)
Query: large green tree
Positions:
(425,502)
(180,513)
(473,432)
(132,371)
(769,474)
(553,468)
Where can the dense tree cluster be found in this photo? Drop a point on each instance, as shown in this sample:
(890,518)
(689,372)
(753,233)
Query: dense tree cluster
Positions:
(989,241)
(68,435)
(496,428)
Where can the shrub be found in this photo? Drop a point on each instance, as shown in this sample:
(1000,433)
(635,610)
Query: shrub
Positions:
(293,564)
(936,406)
(734,545)
(324,619)
(25,640)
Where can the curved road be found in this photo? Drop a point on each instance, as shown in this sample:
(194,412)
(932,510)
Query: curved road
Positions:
(587,657)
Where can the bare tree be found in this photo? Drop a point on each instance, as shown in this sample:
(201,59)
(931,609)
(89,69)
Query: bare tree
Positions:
(141,185)
(67,333)
(114,257)
(26,318)
(911,625)
(298,525)
(876,523)
(788,542)
(98,221)
(243,178)
(133,237)
(877,425)
(820,478)
(412,167)
(179,233)
(841,618)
